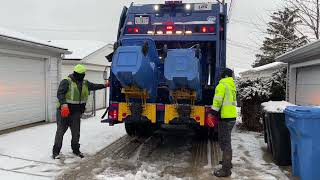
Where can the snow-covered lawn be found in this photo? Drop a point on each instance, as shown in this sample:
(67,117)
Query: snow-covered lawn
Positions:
(25,154)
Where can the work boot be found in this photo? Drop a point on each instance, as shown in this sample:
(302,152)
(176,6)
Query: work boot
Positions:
(221,162)
(223,172)
(78,153)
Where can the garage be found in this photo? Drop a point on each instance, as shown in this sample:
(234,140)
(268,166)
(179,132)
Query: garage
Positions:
(29,74)
(303,79)
(308,85)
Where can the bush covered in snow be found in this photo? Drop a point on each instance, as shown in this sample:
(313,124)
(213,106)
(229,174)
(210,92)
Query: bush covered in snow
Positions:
(254,92)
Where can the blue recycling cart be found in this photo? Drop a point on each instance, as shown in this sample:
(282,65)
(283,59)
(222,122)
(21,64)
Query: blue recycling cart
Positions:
(303,123)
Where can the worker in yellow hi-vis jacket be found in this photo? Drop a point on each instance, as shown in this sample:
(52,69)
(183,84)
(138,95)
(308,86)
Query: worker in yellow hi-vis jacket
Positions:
(225,106)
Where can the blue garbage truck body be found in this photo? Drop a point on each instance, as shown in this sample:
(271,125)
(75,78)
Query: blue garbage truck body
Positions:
(166,64)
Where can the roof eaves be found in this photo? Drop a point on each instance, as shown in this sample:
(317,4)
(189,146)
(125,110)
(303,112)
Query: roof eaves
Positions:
(301,53)
(58,49)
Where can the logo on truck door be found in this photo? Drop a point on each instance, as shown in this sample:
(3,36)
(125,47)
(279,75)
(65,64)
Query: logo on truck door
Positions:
(203,7)
(212,19)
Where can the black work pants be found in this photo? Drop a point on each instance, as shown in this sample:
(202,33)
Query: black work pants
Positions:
(224,130)
(73,121)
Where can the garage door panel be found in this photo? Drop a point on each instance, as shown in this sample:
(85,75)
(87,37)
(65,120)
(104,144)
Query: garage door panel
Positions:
(22,90)
(308,75)
(308,86)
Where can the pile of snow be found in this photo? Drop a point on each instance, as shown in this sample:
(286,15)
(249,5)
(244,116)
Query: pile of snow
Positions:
(80,48)
(18,35)
(275,106)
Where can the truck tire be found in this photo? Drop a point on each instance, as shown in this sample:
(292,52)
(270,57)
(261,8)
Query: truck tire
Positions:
(130,129)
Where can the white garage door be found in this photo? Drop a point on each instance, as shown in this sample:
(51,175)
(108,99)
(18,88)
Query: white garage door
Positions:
(96,77)
(22,91)
(308,86)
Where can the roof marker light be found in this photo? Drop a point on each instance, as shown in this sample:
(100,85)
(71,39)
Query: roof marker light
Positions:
(156,7)
(169,32)
(178,32)
(136,30)
(188,7)
(211,29)
(204,29)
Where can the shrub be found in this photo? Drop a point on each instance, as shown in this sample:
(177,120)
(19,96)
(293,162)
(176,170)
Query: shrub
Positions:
(253,92)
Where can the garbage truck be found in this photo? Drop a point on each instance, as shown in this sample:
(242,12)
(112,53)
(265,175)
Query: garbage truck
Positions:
(165,66)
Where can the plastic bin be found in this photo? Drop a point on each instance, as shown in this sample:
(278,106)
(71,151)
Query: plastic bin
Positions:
(277,135)
(304,126)
(278,138)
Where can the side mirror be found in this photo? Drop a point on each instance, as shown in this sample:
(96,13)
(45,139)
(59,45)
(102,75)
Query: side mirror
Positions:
(110,56)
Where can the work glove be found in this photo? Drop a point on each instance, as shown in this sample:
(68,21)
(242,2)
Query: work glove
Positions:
(211,120)
(107,83)
(65,112)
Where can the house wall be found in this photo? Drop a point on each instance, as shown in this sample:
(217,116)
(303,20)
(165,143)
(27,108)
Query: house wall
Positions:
(98,57)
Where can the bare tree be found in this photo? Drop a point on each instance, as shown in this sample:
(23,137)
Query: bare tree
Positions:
(309,13)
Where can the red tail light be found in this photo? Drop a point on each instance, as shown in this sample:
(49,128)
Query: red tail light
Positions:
(113,112)
(130,30)
(113,115)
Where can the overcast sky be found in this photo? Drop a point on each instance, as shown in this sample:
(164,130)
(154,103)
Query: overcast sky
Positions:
(98,20)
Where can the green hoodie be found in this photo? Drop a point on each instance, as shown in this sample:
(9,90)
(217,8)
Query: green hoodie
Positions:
(225,99)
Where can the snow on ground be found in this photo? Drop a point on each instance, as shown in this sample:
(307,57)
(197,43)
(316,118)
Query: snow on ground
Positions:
(276,106)
(25,154)
(251,159)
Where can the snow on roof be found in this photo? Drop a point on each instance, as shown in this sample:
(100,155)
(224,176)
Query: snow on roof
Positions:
(275,106)
(80,48)
(273,65)
(23,37)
